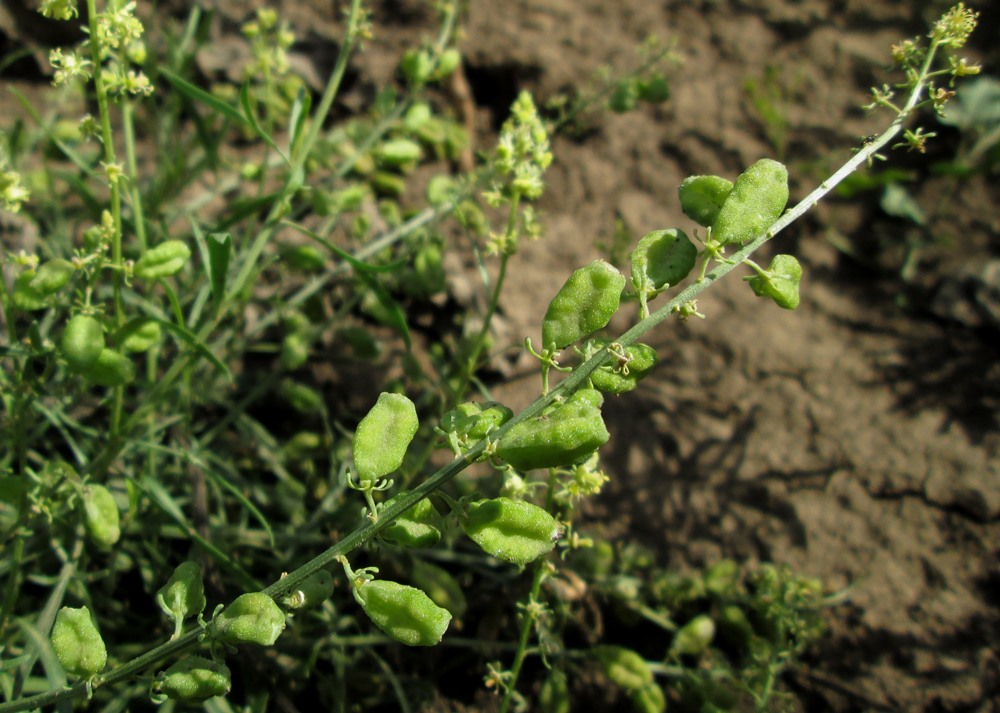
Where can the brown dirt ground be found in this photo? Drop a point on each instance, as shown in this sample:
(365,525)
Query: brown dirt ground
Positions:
(854,439)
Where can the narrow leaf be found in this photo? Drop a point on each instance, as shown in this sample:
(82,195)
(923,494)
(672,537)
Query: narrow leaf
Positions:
(198,94)
(297,119)
(196,344)
(251,121)
(354,262)
(220,250)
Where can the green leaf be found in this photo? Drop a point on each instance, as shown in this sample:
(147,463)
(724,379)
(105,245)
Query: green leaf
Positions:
(198,94)
(251,121)
(976,104)
(297,118)
(194,343)
(359,265)
(220,250)
(897,202)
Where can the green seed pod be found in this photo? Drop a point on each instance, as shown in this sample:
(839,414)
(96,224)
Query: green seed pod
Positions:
(139,335)
(349,198)
(252,618)
(184,593)
(388,184)
(426,277)
(25,297)
(655,89)
(404,613)
(703,196)
(589,397)
(304,258)
(382,437)
(554,695)
(82,342)
(417,66)
(721,578)
(420,526)
(617,378)
(302,446)
(194,679)
(735,628)
(757,200)
(623,667)
(584,304)
(562,437)
(649,699)
(514,531)
(100,515)
(661,259)
(398,153)
(302,398)
(110,369)
(782,282)
(164,260)
(694,637)
(77,642)
(624,97)
(440,190)
(440,586)
(294,350)
(52,276)
(447,63)
(311,593)
(471,422)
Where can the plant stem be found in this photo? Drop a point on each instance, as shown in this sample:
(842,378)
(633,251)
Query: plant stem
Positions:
(107,139)
(527,623)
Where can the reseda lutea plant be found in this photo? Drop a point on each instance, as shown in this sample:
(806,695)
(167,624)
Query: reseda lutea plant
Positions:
(546,455)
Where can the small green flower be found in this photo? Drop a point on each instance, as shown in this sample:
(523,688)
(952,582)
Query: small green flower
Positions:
(12,193)
(68,67)
(59,9)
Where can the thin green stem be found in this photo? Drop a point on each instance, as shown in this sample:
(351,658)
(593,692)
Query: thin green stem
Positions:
(107,139)
(13,579)
(135,195)
(295,171)
(527,624)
